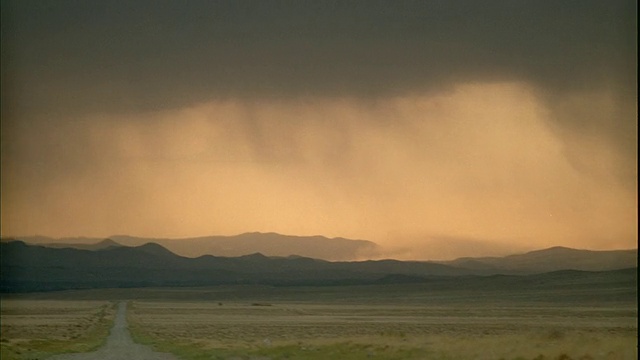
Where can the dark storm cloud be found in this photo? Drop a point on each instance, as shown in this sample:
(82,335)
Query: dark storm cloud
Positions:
(138,55)
(369,119)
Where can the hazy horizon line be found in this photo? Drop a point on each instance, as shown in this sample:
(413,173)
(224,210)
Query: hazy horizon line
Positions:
(178,238)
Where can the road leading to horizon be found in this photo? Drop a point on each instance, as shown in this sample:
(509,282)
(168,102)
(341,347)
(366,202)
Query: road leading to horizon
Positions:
(119,345)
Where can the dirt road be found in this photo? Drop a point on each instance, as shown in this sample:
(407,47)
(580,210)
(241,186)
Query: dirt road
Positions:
(119,345)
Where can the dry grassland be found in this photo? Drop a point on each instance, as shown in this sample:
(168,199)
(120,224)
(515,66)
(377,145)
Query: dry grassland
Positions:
(283,330)
(36,329)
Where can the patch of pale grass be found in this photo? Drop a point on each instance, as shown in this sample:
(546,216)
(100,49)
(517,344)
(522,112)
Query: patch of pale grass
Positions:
(33,329)
(536,346)
(309,331)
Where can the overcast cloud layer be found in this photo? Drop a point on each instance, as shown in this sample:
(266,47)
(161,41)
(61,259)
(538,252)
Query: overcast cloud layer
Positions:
(510,124)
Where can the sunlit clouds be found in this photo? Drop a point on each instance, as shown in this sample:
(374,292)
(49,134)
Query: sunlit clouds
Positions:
(477,162)
(434,128)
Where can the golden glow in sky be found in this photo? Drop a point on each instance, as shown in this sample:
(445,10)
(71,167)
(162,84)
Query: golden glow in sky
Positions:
(434,128)
(478,162)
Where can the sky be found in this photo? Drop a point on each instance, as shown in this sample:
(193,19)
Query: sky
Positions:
(434,128)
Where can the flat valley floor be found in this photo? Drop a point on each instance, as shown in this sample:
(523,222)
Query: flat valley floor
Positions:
(404,321)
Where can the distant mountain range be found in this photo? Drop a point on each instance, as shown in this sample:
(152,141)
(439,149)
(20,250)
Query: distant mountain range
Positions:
(27,268)
(269,244)
(551,259)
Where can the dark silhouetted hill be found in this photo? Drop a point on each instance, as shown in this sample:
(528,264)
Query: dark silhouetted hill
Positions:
(31,268)
(39,268)
(269,244)
(104,244)
(551,259)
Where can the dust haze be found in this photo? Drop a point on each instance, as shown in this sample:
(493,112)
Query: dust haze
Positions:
(508,125)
